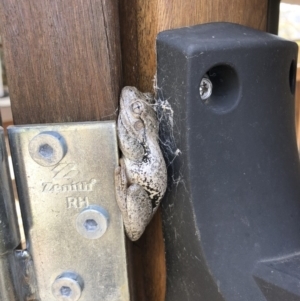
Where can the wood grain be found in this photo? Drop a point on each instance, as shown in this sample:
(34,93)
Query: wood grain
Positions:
(140,21)
(62,58)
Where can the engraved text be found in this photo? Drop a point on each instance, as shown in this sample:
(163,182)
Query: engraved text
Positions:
(77,202)
(79,186)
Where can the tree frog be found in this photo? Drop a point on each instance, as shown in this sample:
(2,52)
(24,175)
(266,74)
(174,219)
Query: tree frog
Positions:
(141,178)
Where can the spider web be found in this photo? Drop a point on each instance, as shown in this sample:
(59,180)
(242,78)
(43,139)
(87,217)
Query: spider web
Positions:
(167,141)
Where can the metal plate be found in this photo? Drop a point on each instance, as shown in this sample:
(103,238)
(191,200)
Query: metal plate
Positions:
(63,171)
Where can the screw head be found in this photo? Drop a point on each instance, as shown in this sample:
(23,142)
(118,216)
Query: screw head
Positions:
(205,88)
(67,287)
(47,148)
(92,222)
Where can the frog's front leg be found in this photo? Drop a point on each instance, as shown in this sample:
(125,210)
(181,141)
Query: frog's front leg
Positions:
(129,144)
(134,203)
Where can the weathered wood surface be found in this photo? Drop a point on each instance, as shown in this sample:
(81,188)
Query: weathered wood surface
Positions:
(140,21)
(62,58)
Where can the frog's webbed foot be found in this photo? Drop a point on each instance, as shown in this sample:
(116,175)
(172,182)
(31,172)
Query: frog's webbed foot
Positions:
(134,203)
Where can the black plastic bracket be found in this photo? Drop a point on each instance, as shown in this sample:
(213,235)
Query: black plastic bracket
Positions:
(232,213)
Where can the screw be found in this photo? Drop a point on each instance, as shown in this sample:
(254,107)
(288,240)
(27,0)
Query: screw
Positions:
(67,287)
(206,87)
(92,222)
(47,148)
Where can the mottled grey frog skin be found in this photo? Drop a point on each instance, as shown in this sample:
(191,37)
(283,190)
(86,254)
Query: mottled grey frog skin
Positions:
(141,178)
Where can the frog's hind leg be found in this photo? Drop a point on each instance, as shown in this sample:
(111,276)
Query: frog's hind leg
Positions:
(139,210)
(134,203)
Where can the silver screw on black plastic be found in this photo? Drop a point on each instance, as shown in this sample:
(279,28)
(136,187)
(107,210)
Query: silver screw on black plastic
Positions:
(205,88)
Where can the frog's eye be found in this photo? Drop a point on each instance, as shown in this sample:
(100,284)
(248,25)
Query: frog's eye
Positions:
(137,107)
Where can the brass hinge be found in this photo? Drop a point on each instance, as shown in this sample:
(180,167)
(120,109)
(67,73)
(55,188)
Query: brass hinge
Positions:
(73,226)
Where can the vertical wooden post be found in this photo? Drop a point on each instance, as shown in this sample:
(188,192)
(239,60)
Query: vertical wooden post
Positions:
(140,22)
(63,59)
